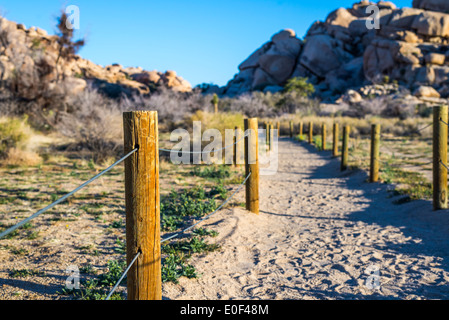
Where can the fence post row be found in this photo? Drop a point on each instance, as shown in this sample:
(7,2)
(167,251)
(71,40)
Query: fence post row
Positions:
(374,159)
(270,136)
(143,205)
(252,165)
(345,147)
(440,131)
(335,136)
(310,132)
(323,137)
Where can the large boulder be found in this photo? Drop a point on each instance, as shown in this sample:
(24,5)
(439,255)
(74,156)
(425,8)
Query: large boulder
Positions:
(322,54)
(279,67)
(404,18)
(434,5)
(31,67)
(411,48)
(426,92)
(431,23)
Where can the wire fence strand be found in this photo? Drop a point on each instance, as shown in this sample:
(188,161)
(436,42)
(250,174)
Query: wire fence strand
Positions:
(203,152)
(15,227)
(123,276)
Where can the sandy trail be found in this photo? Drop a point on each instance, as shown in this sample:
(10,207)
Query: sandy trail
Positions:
(319,233)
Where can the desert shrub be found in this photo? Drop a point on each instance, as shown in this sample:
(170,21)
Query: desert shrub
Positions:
(300,86)
(93,123)
(251,104)
(19,157)
(220,121)
(171,106)
(14,132)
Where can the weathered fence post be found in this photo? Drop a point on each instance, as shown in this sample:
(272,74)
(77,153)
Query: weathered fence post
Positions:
(323,137)
(300,128)
(267,135)
(345,147)
(237,146)
(270,136)
(375,141)
(278,126)
(291,129)
(252,165)
(440,131)
(335,140)
(310,132)
(142,205)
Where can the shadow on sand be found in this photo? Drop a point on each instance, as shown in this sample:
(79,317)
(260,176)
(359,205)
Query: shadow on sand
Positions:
(426,230)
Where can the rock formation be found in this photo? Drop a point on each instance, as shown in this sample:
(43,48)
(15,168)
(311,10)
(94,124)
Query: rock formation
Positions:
(411,47)
(31,68)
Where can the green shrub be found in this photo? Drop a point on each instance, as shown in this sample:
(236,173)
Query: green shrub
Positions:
(176,206)
(14,133)
(212,172)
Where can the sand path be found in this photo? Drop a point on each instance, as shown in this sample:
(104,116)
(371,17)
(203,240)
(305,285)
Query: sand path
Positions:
(322,234)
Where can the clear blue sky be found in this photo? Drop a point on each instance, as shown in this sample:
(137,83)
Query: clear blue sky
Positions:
(203,41)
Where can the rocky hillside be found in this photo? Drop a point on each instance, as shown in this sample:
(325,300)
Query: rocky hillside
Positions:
(410,48)
(32,69)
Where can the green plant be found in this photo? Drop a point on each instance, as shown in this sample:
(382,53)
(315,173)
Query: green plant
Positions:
(121,246)
(174,266)
(214,102)
(24,273)
(14,133)
(299,85)
(99,287)
(178,205)
(188,247)
(203,232)
(212,172)
(219,190)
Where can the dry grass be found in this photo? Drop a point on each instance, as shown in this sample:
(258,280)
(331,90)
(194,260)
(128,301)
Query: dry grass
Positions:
(393,126)
(23,158)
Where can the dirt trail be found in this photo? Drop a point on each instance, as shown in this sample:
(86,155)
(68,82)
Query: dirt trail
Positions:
(321,234)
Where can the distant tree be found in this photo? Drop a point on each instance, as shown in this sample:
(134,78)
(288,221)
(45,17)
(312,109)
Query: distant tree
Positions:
(204,86)
(295,95)
(68,47)
(301,86)
(214,102)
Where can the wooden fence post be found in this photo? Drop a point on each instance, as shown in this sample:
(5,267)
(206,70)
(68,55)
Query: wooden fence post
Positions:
(252,165)
(345,147)
(267,134)
(291,129)
(323,137)
(375,142)
(142,205)
(270,136)
(310,132)
(440,131)
(300,128)
(335,140)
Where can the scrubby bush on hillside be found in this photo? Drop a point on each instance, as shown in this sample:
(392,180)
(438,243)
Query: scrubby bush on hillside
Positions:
(93,123)
(15,134)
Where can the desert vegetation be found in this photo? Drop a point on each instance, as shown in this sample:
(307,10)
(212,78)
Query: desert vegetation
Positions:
(60,126)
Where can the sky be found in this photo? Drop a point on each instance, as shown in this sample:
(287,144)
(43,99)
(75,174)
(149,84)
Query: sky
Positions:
(203,41)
